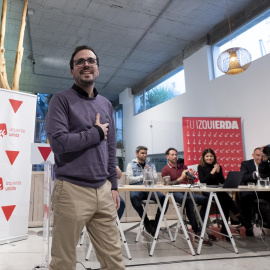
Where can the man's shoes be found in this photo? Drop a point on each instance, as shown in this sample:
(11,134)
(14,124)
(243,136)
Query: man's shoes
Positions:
(248,225)
(249,232)
(211,237)
(205,242)
(224,232)
(149,227)
(153,223)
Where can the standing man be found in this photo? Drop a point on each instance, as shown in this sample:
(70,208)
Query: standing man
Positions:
(134,175)
(81,132)
(177,172)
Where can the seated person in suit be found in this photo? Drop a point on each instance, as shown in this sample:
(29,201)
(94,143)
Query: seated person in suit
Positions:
(177,172)
(250,169)
(122,207)
(251,166)
(134,173)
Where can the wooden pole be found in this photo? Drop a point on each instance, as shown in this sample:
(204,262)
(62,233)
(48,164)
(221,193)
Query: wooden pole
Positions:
(3,73)
(19,54)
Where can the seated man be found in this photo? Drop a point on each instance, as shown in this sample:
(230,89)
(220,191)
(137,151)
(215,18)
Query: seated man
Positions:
(177,172)
(251,166)
(251,169)
(134,175)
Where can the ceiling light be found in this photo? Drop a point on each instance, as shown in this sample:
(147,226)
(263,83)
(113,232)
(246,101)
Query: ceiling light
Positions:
(234,60)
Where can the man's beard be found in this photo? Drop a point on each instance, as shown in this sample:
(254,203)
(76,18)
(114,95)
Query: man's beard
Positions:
(86,82)
(141,160)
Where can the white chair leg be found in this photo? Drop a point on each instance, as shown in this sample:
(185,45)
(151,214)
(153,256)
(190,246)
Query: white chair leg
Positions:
(82,236)
(178,226)
(88,251)
(142,219)
(123,237)
(164,219)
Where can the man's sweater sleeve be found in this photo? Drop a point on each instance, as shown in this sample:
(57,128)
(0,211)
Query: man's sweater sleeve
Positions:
(61,141)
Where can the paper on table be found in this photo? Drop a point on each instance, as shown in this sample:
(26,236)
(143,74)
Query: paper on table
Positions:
(182,185)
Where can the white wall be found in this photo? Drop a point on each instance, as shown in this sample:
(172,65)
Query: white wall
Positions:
(245,95)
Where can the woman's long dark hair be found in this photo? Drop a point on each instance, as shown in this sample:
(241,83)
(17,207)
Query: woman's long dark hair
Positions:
(206,151)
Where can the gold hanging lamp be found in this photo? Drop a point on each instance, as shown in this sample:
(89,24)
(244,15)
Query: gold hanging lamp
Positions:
(234,60)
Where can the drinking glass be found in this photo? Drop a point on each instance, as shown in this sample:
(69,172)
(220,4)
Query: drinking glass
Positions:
(148,183)
(251,185)
(264,182)
(166,180)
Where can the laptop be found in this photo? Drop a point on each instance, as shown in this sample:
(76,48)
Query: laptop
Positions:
(233,180)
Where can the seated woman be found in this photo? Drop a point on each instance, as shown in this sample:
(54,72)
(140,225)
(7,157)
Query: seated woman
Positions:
(210,172)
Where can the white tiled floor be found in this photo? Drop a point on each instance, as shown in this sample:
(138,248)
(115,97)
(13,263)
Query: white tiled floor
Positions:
(253,253)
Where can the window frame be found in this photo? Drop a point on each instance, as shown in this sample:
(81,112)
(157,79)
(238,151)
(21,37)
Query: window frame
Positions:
(152,86)
(231,37)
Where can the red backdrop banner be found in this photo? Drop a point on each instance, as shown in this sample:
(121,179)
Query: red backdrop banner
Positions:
(223,135)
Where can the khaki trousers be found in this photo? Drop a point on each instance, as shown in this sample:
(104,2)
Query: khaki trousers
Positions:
(75,207)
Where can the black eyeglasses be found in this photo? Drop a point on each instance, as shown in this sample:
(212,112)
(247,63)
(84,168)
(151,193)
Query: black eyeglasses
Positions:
(81,62)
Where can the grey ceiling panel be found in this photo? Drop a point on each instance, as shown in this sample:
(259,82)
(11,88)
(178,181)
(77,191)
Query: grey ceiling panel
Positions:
(133,38)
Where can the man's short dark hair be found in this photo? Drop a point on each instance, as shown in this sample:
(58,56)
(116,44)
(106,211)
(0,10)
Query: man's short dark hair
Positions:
(80,48)
(168,151)
(141,147)
(257,148)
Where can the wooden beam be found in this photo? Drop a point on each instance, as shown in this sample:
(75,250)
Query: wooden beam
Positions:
(19,54)
(3,73)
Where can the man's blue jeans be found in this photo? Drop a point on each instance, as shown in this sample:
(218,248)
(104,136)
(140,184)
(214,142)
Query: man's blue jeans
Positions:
(136,198)
(199,200)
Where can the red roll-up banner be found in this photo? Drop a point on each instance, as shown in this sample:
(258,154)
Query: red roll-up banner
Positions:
(223,135)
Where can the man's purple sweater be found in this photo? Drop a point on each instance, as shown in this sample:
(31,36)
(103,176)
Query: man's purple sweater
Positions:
(81,157)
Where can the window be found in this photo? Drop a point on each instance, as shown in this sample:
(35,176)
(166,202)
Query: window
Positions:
(168,89)
(255,37)
(42,108)
(118,121)
(40,133)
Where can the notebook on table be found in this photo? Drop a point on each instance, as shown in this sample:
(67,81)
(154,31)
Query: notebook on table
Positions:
(233,180)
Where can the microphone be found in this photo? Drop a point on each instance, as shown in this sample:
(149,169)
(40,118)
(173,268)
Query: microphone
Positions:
(190,175)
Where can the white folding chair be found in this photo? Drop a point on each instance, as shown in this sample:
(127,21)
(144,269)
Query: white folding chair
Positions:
(145,203)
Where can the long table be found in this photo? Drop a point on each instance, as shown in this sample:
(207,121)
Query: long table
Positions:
(168,190)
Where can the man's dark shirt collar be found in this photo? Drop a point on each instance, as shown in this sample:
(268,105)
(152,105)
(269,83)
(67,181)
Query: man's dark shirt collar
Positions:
(81,92)
(142,164)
